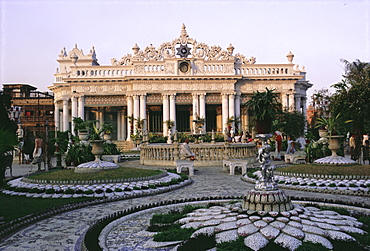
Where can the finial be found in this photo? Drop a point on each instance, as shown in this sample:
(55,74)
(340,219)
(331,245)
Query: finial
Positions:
(184,34)
(230,49)
(290,57)
(76,46)
(136,48)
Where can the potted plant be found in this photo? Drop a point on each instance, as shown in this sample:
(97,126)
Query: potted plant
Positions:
(80,128)
(170,123)
(331,124)
(264,105)
(107,129)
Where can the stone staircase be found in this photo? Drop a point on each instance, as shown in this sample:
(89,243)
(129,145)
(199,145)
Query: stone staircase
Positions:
(125,145)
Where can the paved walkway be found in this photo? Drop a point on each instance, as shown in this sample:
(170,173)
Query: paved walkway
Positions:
(63,231)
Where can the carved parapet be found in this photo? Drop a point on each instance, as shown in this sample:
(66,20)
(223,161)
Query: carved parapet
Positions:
(206,154)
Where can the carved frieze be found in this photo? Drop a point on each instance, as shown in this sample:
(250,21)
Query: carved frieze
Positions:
(167,51)
(111,100)
(154,98)
(213,98)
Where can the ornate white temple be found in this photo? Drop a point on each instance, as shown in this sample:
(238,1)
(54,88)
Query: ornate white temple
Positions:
(177,81)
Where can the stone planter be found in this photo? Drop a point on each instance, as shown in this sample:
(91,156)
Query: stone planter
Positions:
(97,148)
(334,144)
(82,135)
(323,133)
(107,137)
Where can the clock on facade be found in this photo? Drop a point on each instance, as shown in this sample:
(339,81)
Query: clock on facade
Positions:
(183,51)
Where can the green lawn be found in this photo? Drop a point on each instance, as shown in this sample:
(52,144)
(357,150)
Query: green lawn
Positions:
(327,169)
(13,207)
(119,173)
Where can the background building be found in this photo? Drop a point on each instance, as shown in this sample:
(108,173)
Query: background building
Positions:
(37,107)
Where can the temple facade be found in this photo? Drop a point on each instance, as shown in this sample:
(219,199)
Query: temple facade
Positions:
(173,85)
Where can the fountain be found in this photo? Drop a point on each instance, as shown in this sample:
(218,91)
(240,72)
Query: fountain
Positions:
(97,165)
(334,159)
(266,196)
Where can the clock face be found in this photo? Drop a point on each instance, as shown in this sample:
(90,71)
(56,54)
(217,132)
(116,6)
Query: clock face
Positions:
(183,51)
(184,67)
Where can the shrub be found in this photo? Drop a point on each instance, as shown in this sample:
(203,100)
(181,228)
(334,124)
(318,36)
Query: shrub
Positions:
(200,242)
(99,191)
(152,186)
(332,185)
(108,190)
(175,233)
(88,192)
(50,191)
(118,190)
(79,191)
(22,189)
(69,191)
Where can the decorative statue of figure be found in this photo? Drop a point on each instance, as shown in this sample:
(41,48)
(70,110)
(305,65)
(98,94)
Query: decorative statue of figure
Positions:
(266,182)
(169,140)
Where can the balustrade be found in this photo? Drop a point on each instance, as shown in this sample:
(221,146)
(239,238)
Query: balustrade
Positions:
(206,154)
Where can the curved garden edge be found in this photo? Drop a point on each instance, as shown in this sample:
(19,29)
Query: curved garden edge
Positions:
(102,226)
(14,225)
(325,189)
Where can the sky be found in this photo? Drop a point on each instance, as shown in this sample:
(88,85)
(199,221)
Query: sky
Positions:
(318,33)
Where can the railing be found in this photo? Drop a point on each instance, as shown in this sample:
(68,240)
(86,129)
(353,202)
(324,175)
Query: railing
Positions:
(275,70)
(206,154)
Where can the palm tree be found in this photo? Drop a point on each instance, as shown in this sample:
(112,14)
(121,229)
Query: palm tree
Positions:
(352,99)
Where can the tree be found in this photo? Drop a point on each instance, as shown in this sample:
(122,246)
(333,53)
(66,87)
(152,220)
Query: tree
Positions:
(351,99)
(8,135)
(291,123)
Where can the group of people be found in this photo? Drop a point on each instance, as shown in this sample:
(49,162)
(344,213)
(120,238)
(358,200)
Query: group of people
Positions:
(299,143)
(365,147)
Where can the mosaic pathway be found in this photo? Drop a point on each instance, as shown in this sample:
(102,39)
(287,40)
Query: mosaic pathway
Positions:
(63,231)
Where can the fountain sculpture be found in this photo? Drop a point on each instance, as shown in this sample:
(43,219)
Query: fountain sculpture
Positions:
(266,196)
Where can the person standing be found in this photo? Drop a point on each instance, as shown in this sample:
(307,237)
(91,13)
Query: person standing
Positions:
(352,145)
(278,144)
(37,152)
(365,152)
(290,149)
(185,151)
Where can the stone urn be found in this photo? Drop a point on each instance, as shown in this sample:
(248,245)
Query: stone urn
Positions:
(334,144)
(323,133)
(107,136)
(82,135)
(97,148)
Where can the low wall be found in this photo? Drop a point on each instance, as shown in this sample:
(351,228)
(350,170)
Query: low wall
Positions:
(206,154)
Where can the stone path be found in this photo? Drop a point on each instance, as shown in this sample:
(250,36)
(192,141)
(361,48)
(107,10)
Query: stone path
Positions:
(63,231)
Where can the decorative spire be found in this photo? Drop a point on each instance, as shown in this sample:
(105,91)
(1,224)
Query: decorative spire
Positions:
(290,57)
(184,34)
(230,49)
(136,48)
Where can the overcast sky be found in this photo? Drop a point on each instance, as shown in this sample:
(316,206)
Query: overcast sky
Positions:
(319,33)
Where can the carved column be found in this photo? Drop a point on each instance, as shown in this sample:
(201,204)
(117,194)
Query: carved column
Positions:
(202,109)
(173,110)
(232,107)
(291,102)
(56,116)
(195,110)
(166,113)
(225,110)
(81,107)
(237,109)
(129,117)
(136,109)
(74,112)
(143,109)
(65,115)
